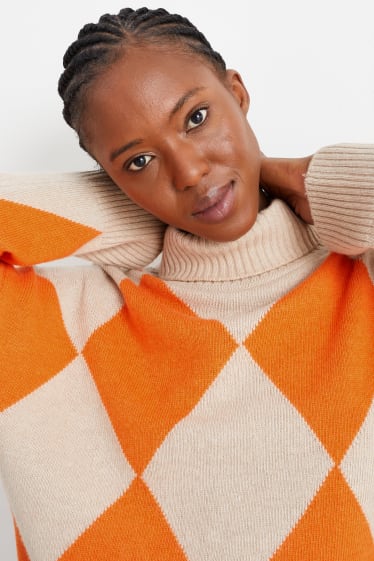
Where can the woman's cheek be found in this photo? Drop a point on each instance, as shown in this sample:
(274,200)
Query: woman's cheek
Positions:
(223,147)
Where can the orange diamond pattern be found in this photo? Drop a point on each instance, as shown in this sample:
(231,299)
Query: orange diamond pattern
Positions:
(188,353)
(52,235)
(332,529)
(133,529)
(306,350)
(302,344)
(45,345)
(298,345)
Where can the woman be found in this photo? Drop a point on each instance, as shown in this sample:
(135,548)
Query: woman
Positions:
(221,406)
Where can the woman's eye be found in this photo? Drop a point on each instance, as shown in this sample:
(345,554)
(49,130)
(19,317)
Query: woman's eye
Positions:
(139,162)
(197,118)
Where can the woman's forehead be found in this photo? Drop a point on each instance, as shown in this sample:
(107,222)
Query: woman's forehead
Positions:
(143,90)
(153,72)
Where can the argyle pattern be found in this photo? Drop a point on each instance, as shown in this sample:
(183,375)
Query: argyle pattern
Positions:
(145,419)
(156,433)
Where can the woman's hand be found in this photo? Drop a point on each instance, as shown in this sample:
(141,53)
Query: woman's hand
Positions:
(284,178)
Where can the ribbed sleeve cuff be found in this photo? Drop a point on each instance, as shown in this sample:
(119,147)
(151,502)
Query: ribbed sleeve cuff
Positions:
(340,189)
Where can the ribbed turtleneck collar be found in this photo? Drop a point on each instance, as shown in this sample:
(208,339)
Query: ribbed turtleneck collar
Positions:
(277,238)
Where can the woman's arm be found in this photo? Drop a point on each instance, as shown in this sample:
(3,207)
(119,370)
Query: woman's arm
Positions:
(50,216)
(334,189)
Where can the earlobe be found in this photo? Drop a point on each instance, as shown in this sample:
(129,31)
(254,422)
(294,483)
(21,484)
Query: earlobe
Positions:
(236,85)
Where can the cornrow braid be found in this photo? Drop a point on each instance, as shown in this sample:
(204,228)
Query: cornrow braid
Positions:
(99,45)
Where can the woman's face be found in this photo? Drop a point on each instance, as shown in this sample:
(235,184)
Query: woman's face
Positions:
(175,138)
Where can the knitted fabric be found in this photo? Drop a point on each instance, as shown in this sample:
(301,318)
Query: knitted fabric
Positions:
(220,408)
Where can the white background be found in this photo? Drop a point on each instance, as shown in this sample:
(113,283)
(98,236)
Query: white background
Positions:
(307,65)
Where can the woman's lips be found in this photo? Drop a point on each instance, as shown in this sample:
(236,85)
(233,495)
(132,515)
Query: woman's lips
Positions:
(216,205)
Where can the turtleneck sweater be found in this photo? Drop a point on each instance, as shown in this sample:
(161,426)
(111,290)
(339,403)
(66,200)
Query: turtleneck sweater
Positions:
(217,407)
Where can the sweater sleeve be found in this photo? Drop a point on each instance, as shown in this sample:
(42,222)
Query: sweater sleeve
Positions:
(50,216)
(340,189)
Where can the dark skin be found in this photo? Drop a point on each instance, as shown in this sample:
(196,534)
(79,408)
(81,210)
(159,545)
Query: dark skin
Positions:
(174,136)
(284,178)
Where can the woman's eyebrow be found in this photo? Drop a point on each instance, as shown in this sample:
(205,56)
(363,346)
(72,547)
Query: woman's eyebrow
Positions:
(184,99)
(177,107)
(125,147)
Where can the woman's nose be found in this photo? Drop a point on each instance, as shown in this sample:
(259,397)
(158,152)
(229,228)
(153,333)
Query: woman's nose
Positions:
(189,165)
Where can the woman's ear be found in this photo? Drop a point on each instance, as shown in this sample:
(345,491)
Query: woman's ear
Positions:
(236,85)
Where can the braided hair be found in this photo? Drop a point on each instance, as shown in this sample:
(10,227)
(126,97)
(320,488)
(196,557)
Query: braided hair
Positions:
(100,44)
